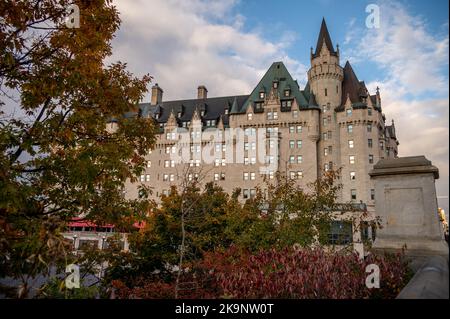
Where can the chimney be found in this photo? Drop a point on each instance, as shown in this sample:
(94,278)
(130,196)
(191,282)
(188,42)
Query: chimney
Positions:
(157,93)
(202,92)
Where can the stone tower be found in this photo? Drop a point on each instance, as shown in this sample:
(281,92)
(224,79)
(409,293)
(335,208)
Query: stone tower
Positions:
(325,81)
(326,75)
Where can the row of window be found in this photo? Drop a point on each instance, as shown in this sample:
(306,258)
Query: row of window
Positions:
(286,93)
(248,193)
(272,115)
(350,128)
(295,159)
(295,174)
(293,143)
(349,112)
(354,197)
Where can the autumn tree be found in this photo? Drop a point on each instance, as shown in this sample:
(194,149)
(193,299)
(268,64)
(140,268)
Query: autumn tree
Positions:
(58,158)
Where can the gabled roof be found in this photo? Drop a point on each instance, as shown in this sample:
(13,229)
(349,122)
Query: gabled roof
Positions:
(276,72)
(324,37)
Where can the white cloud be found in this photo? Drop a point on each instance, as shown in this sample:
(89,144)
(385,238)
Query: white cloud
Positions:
(414,83)
(187,43)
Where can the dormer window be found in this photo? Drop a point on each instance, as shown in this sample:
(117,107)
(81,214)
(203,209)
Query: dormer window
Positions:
(349,112)
(202,113)
(262,95)
(287,92)
(258,106)
(275,84)
(156,116)
(179,114)
(226,111)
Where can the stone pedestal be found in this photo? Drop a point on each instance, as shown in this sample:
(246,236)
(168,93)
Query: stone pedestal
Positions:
(405,199)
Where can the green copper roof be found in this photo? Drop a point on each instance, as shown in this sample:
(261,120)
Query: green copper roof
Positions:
(276,72)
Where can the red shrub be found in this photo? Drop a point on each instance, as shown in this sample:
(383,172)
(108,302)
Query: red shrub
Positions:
(287,273)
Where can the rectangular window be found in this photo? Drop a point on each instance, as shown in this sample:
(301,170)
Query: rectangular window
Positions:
(269,115)
(250,116)
(299,159)
(350,128)
(299,143)
(261,95)
(330,135)
(299,128)
(325,121)
(353,194)
(351,159)
(369,127)
(294,114)
(349,112)
(325,151)
(149,163)
(381,145)
(369,143)
(275,115)
(350,144)
(253,176)
(369,111)
(326,92)
(292,159)
(370,159)
(252,193)
(165,177)
(372,194)
(245,193)
(292,175)
(216,176)
(245,176)
(292,129)
(352,176)
(142,178)
(291,144)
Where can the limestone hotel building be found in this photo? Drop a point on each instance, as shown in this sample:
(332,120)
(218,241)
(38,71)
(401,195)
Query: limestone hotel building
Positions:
(332,122)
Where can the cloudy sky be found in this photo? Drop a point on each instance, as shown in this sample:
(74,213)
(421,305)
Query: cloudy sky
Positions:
(227,45)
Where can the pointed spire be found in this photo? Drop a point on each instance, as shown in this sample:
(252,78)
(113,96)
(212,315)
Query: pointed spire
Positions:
(324,38)
(234,107)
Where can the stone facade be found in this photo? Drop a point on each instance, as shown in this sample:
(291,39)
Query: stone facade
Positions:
(407,206)
(333,122)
